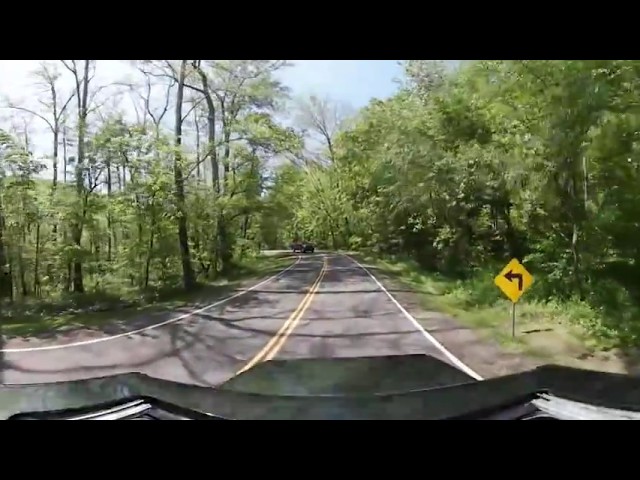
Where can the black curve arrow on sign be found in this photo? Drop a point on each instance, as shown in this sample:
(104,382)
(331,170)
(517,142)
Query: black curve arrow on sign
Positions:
(514,276)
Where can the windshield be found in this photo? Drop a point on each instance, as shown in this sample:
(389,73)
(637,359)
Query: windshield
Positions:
(192,220)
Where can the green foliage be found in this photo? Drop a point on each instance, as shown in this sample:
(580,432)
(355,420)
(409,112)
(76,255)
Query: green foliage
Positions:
(112,219)
(531,159)
(459,171)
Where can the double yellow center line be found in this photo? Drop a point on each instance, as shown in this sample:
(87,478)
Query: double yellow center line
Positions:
(276,343)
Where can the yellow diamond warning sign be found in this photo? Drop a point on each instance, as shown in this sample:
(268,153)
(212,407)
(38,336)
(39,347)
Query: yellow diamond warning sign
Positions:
(514,280)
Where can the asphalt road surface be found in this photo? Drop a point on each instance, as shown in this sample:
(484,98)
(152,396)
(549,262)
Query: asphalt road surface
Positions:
(326,305)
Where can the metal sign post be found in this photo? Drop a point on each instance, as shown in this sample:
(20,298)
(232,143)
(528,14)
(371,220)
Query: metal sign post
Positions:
(513,280)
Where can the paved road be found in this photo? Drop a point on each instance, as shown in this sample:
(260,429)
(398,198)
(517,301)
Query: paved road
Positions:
(350,316)
(323,306)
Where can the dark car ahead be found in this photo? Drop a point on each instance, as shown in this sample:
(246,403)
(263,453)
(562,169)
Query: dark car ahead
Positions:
(308,248)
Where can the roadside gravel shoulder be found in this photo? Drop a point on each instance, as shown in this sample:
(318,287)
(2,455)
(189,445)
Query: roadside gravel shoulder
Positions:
(483,355)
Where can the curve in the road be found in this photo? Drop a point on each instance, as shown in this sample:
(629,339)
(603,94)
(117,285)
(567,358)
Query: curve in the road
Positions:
(155,325)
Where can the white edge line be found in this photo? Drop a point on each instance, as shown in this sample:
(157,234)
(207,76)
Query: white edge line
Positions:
(455,360)
(155,325)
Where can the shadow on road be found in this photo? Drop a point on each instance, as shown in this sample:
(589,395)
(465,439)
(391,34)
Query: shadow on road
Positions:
(199,341)
(197,353)
(208,347)
(293,282)
(96,310)
(193,343)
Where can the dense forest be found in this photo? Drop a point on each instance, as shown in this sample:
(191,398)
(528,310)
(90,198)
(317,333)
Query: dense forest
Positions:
(459,170)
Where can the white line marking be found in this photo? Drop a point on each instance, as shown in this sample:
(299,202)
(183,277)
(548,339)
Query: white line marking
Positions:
(151,327)
(455,360)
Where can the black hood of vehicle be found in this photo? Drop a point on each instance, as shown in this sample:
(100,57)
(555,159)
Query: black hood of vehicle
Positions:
(394,387)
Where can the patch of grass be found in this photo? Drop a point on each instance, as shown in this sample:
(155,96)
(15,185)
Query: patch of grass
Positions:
(571,333)
(75,311)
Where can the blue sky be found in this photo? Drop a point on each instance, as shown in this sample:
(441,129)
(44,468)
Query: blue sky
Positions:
(350,81)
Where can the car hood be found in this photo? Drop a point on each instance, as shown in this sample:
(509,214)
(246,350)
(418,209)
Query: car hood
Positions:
(393,387)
